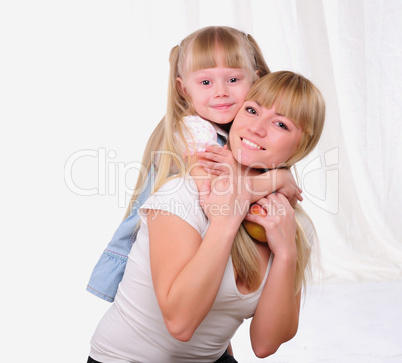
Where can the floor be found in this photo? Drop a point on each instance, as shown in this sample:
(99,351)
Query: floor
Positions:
(356,322)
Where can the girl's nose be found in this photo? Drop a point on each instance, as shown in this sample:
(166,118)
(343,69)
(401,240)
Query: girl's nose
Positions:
(221,89)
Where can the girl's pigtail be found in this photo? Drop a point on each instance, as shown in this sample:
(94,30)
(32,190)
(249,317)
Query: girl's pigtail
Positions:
(170,156)
(261,65)
(161,150)
(154,143)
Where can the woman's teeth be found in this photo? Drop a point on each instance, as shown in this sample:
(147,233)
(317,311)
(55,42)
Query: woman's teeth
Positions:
(251,144)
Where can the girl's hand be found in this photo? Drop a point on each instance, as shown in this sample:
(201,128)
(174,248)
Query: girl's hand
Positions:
(279,225)
(226,200)
(218,160)
(287,186)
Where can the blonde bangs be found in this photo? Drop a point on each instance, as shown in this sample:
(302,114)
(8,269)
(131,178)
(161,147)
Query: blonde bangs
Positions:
(204,46)
(296,98)
(292,95)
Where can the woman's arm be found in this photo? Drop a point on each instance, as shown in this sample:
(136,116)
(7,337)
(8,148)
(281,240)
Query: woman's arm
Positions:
(187,270)
(277,315)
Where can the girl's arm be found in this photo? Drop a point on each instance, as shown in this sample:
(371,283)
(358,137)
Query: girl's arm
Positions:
(187,270)
(277,315)
(219,160)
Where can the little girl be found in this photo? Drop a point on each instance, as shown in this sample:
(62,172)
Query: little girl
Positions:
(211,72)
(193,277)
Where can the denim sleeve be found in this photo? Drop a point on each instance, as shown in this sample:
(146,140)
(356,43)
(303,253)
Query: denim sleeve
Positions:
(110,267)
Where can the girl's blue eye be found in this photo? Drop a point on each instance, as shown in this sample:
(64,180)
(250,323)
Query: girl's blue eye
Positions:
(233,80)
(205,83)
(251,110)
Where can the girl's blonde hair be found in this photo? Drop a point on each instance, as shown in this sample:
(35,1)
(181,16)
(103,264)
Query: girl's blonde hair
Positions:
(299,100)
(195,52)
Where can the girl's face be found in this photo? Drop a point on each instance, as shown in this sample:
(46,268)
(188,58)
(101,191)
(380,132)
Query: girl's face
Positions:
(263,138)
(217,93)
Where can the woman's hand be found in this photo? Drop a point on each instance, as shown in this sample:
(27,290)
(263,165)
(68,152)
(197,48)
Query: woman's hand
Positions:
(279,224)
(276,318)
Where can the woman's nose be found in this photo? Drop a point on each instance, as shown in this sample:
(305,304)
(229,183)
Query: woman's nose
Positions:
(258,127)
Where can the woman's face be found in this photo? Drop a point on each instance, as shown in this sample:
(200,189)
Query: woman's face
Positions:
(263,138)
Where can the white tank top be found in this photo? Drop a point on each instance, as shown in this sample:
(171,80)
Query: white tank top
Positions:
(133,329)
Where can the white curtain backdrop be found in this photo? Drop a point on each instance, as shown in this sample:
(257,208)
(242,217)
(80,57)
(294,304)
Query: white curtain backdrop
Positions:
(83,84)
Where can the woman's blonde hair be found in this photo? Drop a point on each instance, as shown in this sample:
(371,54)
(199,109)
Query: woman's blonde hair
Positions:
(196,51)
(299,100)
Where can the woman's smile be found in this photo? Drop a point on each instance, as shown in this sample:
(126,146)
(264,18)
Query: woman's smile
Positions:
(257,128)
(250,144)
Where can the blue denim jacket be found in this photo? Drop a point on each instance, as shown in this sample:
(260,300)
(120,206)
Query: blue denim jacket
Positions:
(109,270)
(110,267)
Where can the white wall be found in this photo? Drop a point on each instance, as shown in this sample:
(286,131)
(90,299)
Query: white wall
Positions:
(89,78)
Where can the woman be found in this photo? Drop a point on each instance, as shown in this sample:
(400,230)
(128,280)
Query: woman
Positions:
(194,274)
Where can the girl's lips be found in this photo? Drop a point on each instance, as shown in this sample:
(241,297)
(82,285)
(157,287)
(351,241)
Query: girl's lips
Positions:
(222,106)
(250,144)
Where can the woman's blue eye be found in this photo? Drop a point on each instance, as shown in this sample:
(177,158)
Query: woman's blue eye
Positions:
(251,110)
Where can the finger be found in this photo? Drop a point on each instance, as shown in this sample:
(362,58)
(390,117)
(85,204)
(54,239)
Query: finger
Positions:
(211,157)
(216,166)
(207,155)
(213,171)
(214,149)
(259,208)
(279,198)
(299,197)
(208,164)
(282,204)
(254,218)
(273,196)
(275,203)
(251,217)
(263,202)
(262,220)
(213,165)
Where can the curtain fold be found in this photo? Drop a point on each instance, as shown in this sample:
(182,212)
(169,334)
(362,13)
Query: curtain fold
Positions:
(352,51)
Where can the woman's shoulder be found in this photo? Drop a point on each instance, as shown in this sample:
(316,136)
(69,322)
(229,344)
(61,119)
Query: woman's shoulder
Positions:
(178,185)
(176,192)
(178,196)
